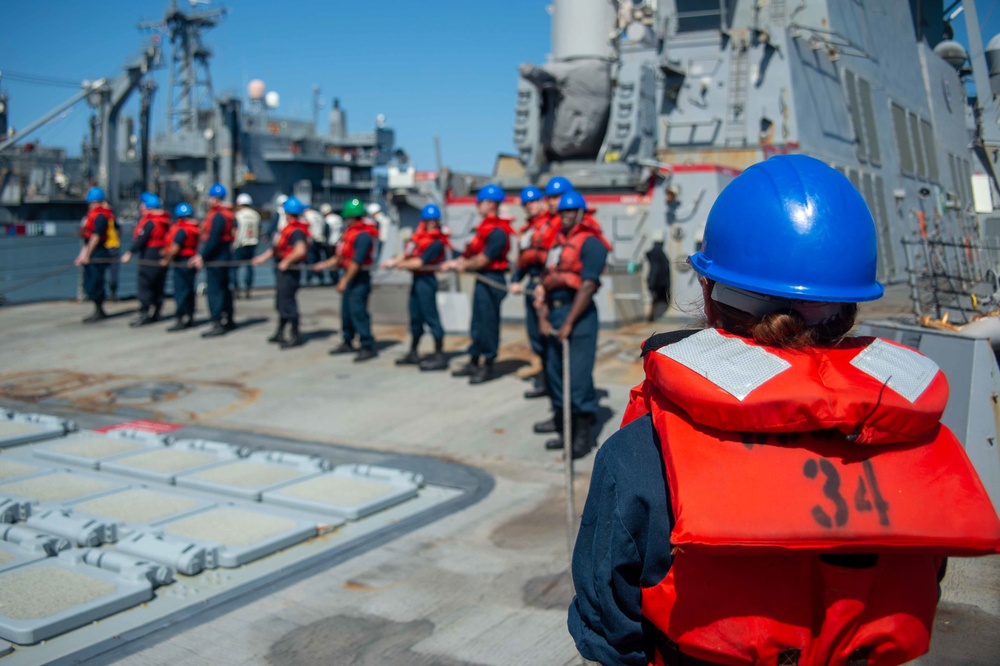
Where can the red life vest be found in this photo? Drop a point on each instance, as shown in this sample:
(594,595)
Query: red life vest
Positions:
(563,267)
(537,238)
(161,226)
(345,249)
(478,242)
(190,245)
(284,245)
(90,222)
(776,461)
(421,240)
(229,223)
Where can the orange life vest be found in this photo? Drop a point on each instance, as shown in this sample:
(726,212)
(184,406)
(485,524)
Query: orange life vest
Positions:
(161,226)
(229,223)
(537,238)
(478,242)
(564,266)
(109,238)
(421,240)
(345,249)
(284,243)
(778,462)
(190,246)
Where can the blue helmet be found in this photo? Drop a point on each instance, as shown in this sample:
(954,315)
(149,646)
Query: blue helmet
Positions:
(150,200)
(572,200)
(558,185)
(491,192)
(183,209)
(293,206)
(530,193)
(96,194)
(430,212)
(217,191)
(795,228)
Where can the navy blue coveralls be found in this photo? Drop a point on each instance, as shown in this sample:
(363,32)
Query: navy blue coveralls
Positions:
(582,340)
(151,276)
(486,301)
(93,273)
(423,297)
(184,280)
(354,317)
(287,283)
(217,287)
(533,272)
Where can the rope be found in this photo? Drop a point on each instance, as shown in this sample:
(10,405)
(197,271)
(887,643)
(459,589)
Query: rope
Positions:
(34,280)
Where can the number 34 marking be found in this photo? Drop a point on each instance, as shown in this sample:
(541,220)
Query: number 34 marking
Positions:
(831,489)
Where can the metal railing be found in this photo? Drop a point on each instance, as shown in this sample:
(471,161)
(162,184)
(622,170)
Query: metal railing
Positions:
(954,279)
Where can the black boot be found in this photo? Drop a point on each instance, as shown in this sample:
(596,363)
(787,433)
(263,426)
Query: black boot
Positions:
(365,354)
(279,335)
(554,424)
(217,330)
(229,324)
(541,388)
(434,362)
(583,441)
(294,339)
(344,348)
(142,319)
(412,357)
(156,313)
(181,324)
(483,374)
(468,369)
(98,315)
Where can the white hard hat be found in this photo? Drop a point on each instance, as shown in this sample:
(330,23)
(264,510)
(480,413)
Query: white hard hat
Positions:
(373,209)
(281,199)
(244,200)
(326,209)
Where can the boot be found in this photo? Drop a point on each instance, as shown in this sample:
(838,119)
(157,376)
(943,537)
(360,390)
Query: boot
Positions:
(436,361)
(98,315)
(541,389)
(229,325)
(294,339)
(217,330)
(365,354)
(483,373)
(156,313)
(344,348)
(279,335)
(142,319)
(411,358)
(583,441)
(553,424)
(468,369)
(181,324)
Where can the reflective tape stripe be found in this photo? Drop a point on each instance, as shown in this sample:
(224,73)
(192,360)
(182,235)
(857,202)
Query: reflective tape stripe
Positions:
(730,363)
(905,371)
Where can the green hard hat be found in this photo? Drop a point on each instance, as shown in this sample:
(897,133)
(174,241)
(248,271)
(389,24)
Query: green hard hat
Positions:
(353,208)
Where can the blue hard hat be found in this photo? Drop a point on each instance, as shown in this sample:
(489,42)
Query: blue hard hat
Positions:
(183,209)
(530,193)
(150,200)
(572,200)
(558,185)
(96,194)
(430,212)
(293,206)
(795,228)
(491,192)
(217,191)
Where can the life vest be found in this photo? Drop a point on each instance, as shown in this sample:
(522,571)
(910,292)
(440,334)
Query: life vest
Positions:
(478,243)
(537,238)
(109,238)
(190,246)
(814,494)
(161,226)
(228,225)
(345,249)
(564,266)
(284,245)
(421,240)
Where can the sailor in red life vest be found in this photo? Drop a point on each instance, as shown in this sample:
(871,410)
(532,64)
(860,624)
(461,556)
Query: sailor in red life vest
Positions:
(486,255)
(779,492)
(291,247)
(566,312)
(217,234)
(355,254)
(426,249)
(99,233)
(180,246)
(148,241)
(535,240)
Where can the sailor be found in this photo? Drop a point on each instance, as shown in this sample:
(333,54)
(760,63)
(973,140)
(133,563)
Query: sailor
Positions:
(217,233)
(486,256)
(425,250)
(535,240)
(291,248)
(181,247)
(245,244)
(355,256)
(317,235)
(658,278)
(780,492)
(99,233)
(566,311)
(148,241)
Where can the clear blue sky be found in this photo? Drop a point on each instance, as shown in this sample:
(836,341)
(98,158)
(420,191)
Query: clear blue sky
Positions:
(440,67)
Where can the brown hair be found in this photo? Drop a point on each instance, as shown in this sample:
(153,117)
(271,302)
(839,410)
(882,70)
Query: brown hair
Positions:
(786,329)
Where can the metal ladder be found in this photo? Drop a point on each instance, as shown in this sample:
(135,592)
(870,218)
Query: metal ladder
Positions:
(736,134)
